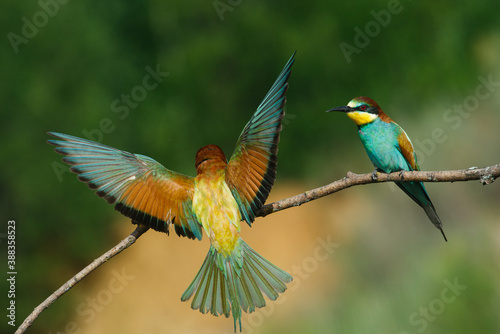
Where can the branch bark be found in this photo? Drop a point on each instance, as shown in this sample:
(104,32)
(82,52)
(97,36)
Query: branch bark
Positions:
(485,175)
(124,244)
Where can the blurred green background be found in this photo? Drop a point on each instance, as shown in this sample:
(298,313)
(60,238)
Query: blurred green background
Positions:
(434,67)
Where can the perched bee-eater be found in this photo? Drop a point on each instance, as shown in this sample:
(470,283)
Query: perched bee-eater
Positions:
(389,148)
(233,277)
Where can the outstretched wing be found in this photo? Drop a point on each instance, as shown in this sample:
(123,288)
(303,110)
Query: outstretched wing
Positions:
(251,171)
(142,188)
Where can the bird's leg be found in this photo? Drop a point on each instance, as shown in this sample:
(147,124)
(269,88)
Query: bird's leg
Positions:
(374,174)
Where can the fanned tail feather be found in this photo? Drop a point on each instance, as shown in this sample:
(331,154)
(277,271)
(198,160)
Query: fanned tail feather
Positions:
(233,283)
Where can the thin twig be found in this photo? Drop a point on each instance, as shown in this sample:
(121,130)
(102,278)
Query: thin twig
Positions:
(486,175)
(124,244)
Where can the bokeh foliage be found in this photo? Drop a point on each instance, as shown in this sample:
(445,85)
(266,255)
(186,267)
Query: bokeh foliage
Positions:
(67,76)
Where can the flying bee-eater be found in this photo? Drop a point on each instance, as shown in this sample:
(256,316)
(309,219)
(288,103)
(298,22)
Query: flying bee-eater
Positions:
(233,278)
(389,149)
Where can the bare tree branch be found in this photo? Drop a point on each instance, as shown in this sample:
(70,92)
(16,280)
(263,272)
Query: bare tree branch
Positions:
(486,175)
(124,244)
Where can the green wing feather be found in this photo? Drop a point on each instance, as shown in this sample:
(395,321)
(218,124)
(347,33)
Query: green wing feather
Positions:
(251,171)
(141,188)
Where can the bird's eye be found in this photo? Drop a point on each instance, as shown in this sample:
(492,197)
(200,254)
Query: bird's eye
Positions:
(362,107)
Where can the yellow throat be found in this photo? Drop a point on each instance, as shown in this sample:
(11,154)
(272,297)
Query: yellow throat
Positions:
(361,118)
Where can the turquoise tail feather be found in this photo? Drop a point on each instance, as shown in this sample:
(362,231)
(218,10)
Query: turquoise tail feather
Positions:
(235,283)
(416,191)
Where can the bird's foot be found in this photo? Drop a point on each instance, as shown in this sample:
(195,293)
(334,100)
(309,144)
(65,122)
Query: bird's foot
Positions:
(375,175)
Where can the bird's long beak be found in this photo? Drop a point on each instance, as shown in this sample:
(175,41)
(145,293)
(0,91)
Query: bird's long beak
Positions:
(341,109)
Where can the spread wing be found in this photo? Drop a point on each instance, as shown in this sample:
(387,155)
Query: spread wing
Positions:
(251,171)
(406,148)
(141,188)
